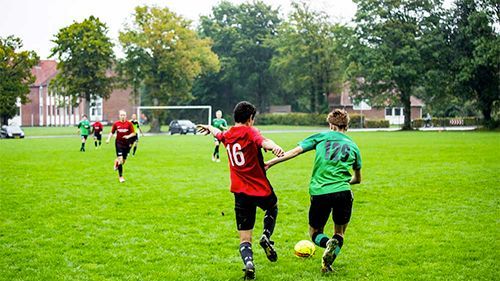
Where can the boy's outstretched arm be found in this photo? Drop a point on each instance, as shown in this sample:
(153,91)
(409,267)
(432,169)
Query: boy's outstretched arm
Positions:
(207,129)
(268,144)
(288,155)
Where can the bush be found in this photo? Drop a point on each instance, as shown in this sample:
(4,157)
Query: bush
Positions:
(379,123)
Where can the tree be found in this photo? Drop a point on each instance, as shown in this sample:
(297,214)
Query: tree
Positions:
(387,53)
(475,47)
(163,57)
(85,55)
(306,57)
(240,34)
(15,76)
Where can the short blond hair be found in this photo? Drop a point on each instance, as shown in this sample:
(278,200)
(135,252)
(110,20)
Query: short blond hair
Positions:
(339,118)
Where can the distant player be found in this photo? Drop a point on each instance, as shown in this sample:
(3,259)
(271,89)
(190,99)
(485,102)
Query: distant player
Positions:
(220,124)
(124,131)
(137,128)
(249,183)
(84,130)
(97,131)
(330,190)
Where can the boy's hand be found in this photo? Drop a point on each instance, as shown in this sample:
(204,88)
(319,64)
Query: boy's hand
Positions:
(202,129)
(278,151)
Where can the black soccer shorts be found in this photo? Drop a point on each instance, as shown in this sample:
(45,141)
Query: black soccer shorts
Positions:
(245,207)
(339,204)
(122,150)
(98,136)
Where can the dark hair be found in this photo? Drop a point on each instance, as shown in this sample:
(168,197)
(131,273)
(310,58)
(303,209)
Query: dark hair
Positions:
(244,111)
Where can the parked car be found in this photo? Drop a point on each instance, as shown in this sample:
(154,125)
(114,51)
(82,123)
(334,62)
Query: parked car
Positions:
(181,127)
(11,131)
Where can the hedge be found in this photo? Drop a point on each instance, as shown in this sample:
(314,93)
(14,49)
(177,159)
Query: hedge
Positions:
(449,122)
(313,119)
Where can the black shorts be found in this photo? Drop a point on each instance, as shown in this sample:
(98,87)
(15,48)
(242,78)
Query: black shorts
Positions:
(245,207)
(98,136)
(84,136)
(122,150)
(338,203)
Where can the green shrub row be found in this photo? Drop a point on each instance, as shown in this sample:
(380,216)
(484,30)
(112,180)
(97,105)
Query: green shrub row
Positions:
(380,123)
(448,122)
(314,119)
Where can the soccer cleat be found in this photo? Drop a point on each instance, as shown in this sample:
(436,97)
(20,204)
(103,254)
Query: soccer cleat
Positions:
(329,255)
(213,158)
(268,247)
(121,179)
(217,160)
(249,271)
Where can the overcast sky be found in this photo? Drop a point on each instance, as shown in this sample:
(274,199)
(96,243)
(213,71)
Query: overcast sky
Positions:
(36,21)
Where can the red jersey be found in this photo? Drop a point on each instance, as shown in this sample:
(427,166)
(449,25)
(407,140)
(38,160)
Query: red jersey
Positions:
(122,129)
(97,127)
(243,145)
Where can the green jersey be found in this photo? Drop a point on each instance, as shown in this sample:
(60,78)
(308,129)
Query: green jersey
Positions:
(84,127)
(220,124)
(336,153)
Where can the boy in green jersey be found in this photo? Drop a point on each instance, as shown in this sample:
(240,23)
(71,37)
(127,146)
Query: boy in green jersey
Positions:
(330,190)
(84,130)
(221,124)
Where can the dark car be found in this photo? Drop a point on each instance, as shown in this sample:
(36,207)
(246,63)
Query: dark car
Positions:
(181,127)
(12,131)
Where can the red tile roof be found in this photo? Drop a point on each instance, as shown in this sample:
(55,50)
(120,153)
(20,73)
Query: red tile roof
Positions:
(44,71)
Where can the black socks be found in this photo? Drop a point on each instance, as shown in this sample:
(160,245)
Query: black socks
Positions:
(246,252)
(270,221)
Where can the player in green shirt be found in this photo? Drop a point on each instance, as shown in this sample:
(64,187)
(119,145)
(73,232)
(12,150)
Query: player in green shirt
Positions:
(336,154)
(84,130)
(221,124)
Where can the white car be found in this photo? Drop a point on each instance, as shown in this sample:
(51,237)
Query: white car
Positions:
(11,131)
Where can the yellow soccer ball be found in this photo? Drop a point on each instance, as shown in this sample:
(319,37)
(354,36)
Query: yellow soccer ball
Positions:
(304,249)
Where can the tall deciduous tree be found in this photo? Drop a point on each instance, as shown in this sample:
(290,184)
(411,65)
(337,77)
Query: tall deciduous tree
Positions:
(307,59)
(240,34)
(387,55)
(15,76)
(163,57)
(475,48)
(85,54)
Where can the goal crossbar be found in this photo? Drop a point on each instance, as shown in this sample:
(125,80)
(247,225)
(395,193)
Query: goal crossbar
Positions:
(209,107)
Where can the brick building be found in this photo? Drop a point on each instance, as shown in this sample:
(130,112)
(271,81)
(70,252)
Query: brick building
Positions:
(49,109)
(393,113)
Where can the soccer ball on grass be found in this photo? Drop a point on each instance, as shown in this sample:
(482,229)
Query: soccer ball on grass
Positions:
(304,249)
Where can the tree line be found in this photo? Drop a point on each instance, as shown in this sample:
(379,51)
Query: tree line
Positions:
(391,50)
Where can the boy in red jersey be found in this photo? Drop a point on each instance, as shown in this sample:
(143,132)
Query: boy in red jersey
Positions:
(97,131)
(249,183)
(124,131)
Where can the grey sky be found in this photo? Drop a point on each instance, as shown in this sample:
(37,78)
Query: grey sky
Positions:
(36,21)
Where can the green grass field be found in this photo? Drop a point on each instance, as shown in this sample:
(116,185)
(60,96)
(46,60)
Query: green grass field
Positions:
(428,209)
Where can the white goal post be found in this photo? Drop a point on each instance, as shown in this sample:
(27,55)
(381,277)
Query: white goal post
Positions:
(209,107)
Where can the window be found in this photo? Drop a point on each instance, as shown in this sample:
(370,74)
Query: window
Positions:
(397,111)
(388,111)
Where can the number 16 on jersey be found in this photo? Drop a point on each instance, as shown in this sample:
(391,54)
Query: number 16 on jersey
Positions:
(236,156)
